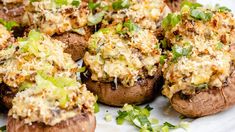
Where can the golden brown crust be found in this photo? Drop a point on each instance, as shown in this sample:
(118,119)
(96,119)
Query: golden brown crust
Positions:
(206,102)
(84,122)
(12,12)
(76,43)
(144,91)
(174,5)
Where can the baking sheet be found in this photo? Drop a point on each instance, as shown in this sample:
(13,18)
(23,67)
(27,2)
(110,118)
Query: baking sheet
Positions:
(222,122)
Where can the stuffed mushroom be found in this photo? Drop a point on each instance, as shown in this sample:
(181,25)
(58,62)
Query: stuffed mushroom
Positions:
(52,104)
(199,74)
(39,85)
(23,59)
(121,67)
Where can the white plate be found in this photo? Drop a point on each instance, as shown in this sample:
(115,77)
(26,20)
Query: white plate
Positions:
(221,122)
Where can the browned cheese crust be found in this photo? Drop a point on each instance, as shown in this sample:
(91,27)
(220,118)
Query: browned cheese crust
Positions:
(84,122)
(144,91)
(76,44)
(12,12)
(174,5)
(206,102)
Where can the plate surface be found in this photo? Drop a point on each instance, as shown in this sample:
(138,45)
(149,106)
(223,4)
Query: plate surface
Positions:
(222,122)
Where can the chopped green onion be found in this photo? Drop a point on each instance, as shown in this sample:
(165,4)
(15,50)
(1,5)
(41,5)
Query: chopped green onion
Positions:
(157,46)
(130,25)
(179,51)
(120,4)
(184,125)
(108,117)
(138,117)
(119,27)
(162,59)
(34,0)
(135,115)
(164,43)
(222,8)
(95,19)
(61,2)
(154,121)
(170,21)
(8,24)
(192,5)
(202,86)
(82,69)
(200,15)
(121,117)
(96,108)
(92,5)
(148,107)
(219,46)
(144,121)
(165,129)
(25,85)
(182,117)
(76,3)
(169,125)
